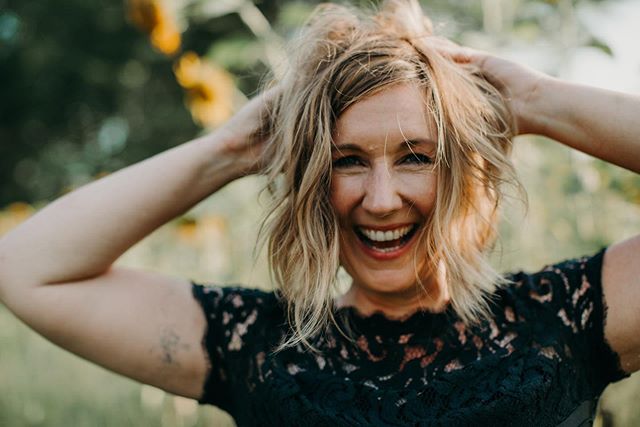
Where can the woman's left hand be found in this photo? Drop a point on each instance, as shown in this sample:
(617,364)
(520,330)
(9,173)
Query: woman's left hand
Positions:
(518,84)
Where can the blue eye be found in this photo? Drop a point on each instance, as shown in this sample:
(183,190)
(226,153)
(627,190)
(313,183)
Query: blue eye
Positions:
(347,161)
(417,159)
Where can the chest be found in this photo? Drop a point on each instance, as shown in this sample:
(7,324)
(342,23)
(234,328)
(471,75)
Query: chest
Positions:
(493,375)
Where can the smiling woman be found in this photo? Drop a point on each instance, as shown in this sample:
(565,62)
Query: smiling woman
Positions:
(356,92)
(387,150)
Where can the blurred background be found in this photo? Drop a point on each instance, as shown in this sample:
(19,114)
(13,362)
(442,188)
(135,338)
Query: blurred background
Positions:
(87,88)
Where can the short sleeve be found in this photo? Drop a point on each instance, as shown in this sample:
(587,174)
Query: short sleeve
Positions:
(236,321)
(570,297)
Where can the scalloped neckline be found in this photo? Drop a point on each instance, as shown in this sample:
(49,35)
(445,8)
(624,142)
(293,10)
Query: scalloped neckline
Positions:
(381,325)
(381,315)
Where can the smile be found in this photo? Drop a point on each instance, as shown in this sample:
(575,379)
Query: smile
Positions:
(386,242)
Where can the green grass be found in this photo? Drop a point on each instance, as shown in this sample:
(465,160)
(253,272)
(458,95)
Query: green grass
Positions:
(43,385)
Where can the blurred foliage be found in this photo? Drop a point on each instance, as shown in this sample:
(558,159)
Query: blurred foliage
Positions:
(90,87)
(82,92)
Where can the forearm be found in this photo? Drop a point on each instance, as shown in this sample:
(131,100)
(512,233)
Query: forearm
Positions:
(81,234)
(599,122)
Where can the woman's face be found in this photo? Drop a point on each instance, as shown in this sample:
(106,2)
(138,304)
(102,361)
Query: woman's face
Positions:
(383,188)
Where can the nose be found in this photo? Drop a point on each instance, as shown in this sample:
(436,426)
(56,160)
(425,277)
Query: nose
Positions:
(381,193)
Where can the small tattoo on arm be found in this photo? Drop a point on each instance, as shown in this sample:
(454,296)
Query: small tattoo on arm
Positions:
(169,344)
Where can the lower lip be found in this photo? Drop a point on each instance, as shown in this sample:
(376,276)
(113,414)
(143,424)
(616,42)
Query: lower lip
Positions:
(386,256)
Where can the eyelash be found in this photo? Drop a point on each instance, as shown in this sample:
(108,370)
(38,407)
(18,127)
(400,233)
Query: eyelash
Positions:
(352,161)
(419,159)
(347,161)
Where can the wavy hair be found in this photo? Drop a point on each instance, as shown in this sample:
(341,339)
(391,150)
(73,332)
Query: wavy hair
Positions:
(341,56)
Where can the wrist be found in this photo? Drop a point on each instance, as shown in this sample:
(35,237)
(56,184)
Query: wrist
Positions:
(534,112)
(222,162)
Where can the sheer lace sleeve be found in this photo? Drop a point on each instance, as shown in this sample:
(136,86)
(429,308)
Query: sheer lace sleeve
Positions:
(569,296)
(237,319)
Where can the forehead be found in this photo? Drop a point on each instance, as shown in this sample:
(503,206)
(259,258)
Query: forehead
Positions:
(398,112)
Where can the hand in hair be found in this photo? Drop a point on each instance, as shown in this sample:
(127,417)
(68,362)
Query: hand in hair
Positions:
(598,122)
(518,84)
(245,135)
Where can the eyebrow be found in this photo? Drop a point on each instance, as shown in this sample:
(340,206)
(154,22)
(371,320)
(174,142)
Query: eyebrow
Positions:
(414,142)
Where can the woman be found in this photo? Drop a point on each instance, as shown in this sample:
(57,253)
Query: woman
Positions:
(387,149)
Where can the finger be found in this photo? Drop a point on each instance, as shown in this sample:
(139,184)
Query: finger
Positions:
(459,54)
(456,52)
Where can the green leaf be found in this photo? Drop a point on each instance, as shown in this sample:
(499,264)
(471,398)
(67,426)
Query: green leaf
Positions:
(600,45)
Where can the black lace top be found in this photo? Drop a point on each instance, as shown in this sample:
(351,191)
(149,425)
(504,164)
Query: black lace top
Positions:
(541,361)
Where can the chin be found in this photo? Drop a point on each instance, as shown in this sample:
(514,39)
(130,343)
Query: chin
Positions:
(390,283)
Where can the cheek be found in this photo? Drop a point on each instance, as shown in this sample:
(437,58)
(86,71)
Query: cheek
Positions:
(345,193)
(420,189)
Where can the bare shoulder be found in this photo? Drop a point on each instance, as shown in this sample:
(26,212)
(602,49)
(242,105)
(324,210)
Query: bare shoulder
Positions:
(621,285)
(142,325)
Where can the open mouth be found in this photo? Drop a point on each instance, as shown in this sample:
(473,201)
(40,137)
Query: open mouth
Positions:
(386,241)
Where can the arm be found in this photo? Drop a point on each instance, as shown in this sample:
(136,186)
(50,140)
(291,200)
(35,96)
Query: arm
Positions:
(606,125)
(56,270)
(602,123)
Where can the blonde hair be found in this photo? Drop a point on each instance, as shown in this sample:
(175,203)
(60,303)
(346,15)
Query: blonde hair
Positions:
(341,56)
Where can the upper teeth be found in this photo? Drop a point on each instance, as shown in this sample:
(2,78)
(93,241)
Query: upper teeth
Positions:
(385,236)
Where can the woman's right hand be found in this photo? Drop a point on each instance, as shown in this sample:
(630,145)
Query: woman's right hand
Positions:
(244,136)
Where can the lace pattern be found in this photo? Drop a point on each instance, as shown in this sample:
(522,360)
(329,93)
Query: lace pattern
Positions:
(541,355)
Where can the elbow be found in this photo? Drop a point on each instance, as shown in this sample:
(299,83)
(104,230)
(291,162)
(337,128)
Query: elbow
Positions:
(13,276)
(5,271)
(4,267)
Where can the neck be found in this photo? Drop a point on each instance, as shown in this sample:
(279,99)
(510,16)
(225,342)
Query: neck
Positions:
(433,297)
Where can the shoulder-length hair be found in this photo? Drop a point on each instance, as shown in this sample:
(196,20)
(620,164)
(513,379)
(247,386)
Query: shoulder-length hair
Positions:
(341,56)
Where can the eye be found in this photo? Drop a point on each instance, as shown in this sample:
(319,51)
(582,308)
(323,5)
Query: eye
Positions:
(347,162)
(417,159)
